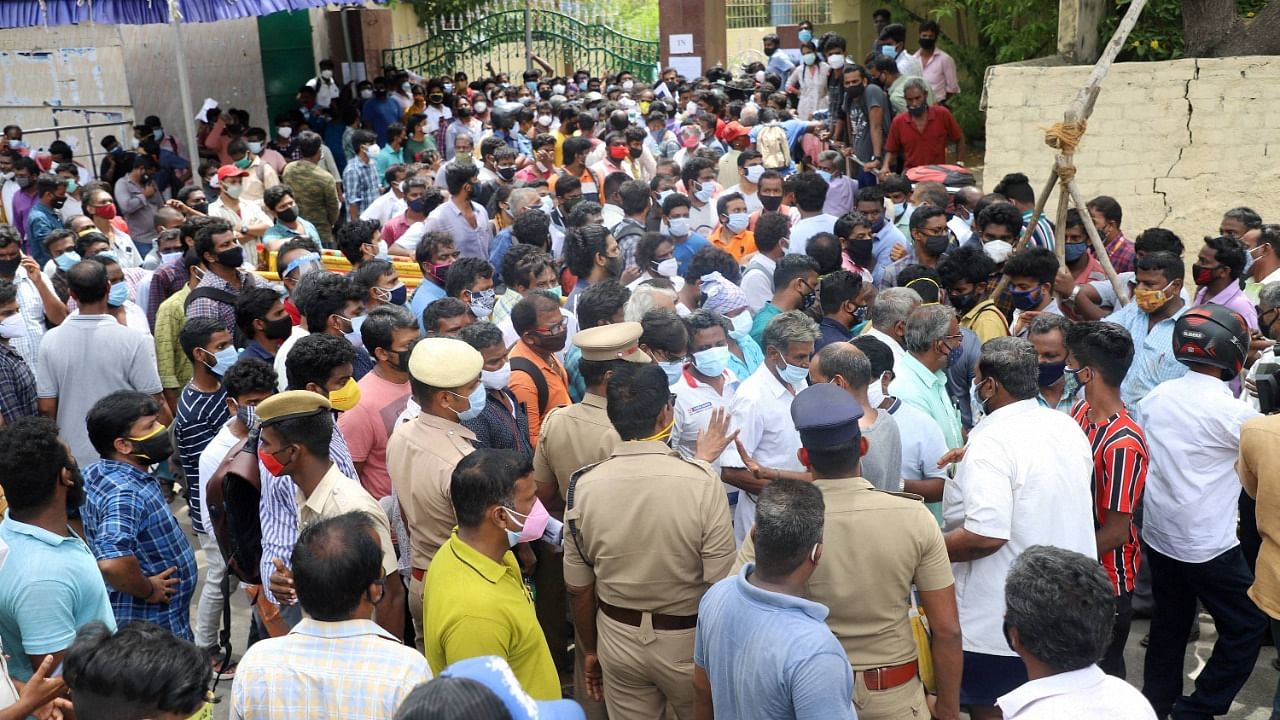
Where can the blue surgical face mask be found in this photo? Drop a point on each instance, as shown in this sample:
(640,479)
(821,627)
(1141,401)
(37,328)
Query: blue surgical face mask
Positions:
(170,256)
(738,222)
(889,51)
(793,374)
(118,295)
(223,360)
(713,361)
(672,369)
(805,36)
(557,291)
(1025,299)
(475,403)
(66,260)
(977,408)
(825,176)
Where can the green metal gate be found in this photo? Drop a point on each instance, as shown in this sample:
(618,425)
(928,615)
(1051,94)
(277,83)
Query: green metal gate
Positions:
(497,38)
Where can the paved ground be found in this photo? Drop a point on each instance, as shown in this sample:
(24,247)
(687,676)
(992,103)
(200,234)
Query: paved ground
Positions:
(1253,702)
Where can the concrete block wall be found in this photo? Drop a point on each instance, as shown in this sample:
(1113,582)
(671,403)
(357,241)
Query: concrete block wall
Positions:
(1176,143)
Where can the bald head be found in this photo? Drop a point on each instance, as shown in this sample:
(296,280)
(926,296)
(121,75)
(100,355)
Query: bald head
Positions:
(844,361)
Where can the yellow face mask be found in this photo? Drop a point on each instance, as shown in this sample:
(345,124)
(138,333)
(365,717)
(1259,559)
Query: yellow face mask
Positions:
(1150,301)
(204,713)
(663,434)
(346,397)
(644,107)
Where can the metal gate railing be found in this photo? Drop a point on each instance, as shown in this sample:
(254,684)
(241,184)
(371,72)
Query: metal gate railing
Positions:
(497,39)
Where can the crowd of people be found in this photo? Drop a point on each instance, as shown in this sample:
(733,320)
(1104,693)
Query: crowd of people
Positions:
(585,396)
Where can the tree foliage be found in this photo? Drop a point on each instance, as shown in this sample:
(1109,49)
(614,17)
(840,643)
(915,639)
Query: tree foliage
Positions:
(1170,29)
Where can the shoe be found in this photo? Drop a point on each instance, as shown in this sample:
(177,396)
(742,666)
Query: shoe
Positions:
(1146,640)
(219,669)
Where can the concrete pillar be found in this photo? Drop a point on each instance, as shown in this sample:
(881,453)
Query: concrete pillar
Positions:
(1078,22)
(704,19)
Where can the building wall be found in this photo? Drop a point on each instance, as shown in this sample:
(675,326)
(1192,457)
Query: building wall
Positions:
(1176,143)
(70,67)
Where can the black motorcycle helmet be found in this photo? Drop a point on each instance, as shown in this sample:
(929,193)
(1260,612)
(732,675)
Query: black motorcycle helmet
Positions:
(1212,335)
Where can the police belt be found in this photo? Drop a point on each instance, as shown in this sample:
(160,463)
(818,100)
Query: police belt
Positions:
(660,622)
(884,678)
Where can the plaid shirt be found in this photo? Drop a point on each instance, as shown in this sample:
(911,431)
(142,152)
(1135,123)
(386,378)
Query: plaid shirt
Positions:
(125,515)
(17,386)
(1122,255)
(360,183)
(168,279)
(208,307)
(31,308)
(348,670)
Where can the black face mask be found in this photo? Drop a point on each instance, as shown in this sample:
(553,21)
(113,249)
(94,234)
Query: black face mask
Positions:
(288,215)
(507,173)
(154,449)
(58,202)
(770,202)
(966,302)
(935,245)
(770,51)
(277,329)
(435,98)
(464,112)
(635,152)
(202,208)
(853,92)
(860,251)
(231,257)
(9,267)
(551,343)
(928,43)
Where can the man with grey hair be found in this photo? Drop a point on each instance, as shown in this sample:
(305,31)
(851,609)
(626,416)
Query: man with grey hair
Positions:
(1023,479)
(888,315)
(767,439)
(931,336)
(648,296)
(844,366)
(518,202)
(796,667)
(1048,335)
(920,135)
(1058,616)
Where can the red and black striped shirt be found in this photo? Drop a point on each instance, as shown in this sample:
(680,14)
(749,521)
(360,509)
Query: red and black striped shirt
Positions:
(1119,474)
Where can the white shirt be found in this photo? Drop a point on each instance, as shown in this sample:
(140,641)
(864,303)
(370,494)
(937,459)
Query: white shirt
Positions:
(805,228)
(1193,437)
(923,443)
(909,65)
(1026,478)
(899,352)
(695,401)
(385,207)
(1265,358)
(611,215)
(70,209)
(753,199)
(757,284)
(704,219)
(283,352)
(326,90)
(1085,693)
(960,228)
(210,458)
(761,411)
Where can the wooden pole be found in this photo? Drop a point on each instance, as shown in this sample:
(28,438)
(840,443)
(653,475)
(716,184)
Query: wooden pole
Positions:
(1064,199)
(1099,249)
(1029,229)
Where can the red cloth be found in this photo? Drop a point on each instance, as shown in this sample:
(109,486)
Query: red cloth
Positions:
(923,148)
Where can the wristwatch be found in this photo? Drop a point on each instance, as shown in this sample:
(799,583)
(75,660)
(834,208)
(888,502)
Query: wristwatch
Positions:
(1074,292)
(244,229)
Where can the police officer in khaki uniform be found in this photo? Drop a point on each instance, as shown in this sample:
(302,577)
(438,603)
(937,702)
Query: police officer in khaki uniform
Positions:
(444,377)
(573,437)
(648,533)
(877,545)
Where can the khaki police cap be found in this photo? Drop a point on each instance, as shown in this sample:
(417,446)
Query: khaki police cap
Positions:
(291,404)
(612,342)
(445,362)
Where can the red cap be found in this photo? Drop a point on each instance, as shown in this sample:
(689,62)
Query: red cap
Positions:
(735,130)
(227,171)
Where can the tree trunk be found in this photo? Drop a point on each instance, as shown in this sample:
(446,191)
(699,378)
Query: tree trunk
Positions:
(1214,28)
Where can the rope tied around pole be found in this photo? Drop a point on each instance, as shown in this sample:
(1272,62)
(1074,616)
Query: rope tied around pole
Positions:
(1065,136)
(1066,173)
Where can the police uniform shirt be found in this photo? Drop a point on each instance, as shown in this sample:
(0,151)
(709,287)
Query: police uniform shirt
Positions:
(337,494)
(573,437)
(663,545)
(421,456)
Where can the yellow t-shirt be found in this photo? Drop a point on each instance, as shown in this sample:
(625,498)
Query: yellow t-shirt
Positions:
(986,321)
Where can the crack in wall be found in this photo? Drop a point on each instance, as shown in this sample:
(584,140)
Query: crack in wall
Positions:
(1155,182)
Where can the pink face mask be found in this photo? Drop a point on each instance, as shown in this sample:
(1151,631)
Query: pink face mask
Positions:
(535,523)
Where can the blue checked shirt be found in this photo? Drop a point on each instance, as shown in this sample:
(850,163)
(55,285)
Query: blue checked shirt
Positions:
(349,670)
(1153,360)
(360,183)
(125,515)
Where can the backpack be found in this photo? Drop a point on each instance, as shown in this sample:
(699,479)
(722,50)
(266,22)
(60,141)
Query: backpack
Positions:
(628,234)
(526,366)
(233,493)
(952,176)
(774,147)
(219,296)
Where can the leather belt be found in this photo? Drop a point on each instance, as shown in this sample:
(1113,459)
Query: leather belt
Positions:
(660,622)
(884,678)
(419,573)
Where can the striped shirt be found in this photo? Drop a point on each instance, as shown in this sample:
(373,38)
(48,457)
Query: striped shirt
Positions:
(1119,474)
(1043,234)
(200,415)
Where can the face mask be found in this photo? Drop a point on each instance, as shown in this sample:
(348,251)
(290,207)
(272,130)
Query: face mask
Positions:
(618,152)
(771,203)
(966,302)
(152,448)
(678,227)
(666,268)
(998,250)
(738,222)
(1025,299)
(741,322)
(875,394)
(398,295)
(1076,251)
(977,406)
(66,260)
(289,215)
(482,303)
(371,151)
(464,113)
(792,374)
(326,74)
(808,299)
(244,162)
(1202,275)
(1075,372)
(672,369)
(835,61)
(496,379)
(928,43)
(531,526)
(480,107)
(705,193)
(353,335)
(223,360)
(918,111)
(808,58)
(627,85)
(713,361)
(135,143)
(1150,301)
(233,191)
(278,329)
(247,414)
(71,186)
(15,144)
(346,397)
(255,148)
(271,463)
(475,403)
(13,327)
(366,93)
(202,208)
(634,153)
(507,173)
(118,295)
(769,51)
(889,51)
(936,245)
(551,343)
(753,174)
(106,212)
(860,251)
(440,270)
(231,257)
(166,258)
(1051,373)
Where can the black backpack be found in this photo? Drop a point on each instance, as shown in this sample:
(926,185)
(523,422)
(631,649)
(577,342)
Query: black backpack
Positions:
(219,296)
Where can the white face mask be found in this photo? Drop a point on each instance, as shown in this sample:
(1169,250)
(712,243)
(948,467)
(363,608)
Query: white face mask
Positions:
(668,267)
(835,61)
(754,172)
(678,227)
(496,379)
(875,395)
(13,327)
(285,132)
(326,74)
(998,250)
